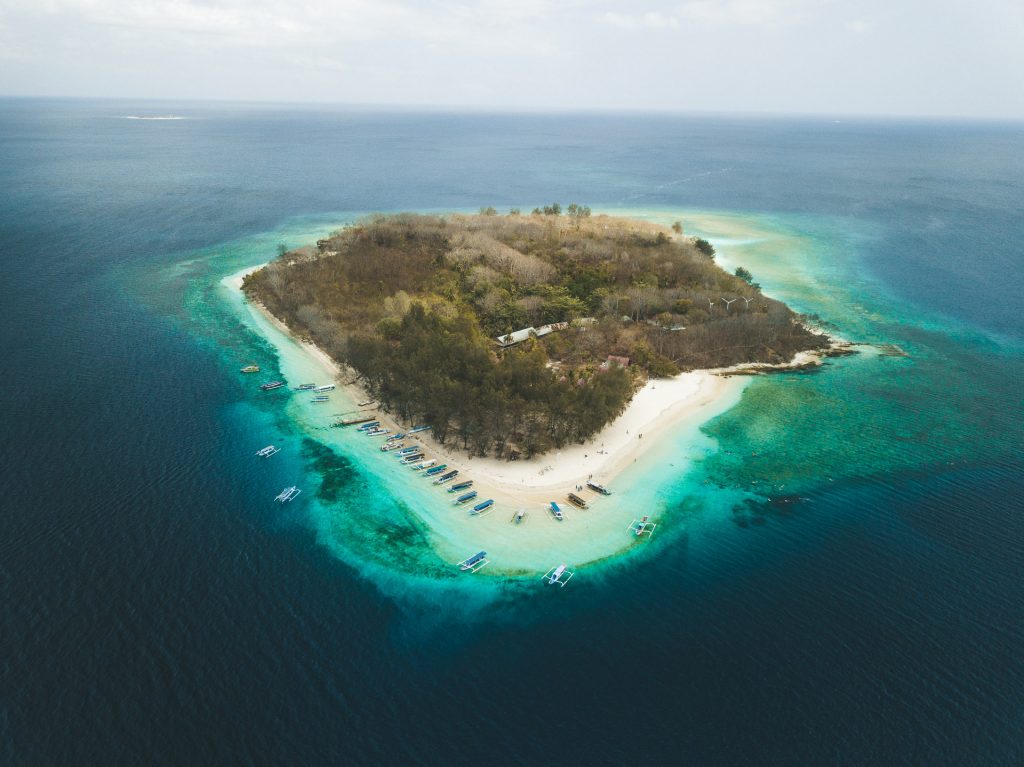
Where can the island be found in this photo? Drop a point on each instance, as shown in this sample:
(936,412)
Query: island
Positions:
(527,360)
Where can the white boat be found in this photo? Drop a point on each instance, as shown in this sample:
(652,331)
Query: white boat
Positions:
(474,563)
(558,576)
(287,494)
(424,464)
(325,387)
(269,450)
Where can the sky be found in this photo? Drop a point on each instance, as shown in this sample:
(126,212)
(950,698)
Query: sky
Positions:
(923,58)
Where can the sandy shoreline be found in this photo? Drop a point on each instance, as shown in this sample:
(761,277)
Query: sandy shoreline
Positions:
(658,408)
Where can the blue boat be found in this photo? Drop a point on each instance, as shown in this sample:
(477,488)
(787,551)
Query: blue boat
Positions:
(418,429)
(407,450)
(446,477)
(556,512)
(433,470)
(396,437)
(460,486)
(466,497)
(481,507)
(475,562)
(410,458)
(369,425)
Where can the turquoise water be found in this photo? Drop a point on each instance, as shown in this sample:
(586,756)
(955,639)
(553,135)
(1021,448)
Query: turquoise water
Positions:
(937,403)
(838,573)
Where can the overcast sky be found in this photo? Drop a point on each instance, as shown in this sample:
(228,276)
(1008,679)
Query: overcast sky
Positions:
(897,57)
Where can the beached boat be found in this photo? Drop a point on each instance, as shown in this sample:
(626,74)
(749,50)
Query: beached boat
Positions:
(424,465)
(388,446)
(367,423)
(482,507)
(272,385)
(287,494)
(376,432)
(367,403)
(448,476)
(460,486)
(251,369)
(410,458)
(434,470)
(269,450)
(325,387)
(556,512)
(409,450)
(474,563)
(466,497)
(599,488)
(305,387)
(396,437)
(418,429)
(519,517)
(575,500)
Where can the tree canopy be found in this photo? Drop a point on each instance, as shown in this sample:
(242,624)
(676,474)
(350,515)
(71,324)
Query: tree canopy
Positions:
(415,304)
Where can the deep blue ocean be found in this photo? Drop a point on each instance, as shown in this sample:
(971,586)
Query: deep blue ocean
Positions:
(157,609)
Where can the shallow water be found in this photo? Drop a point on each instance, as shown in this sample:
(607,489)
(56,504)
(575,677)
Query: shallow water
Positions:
(838,577)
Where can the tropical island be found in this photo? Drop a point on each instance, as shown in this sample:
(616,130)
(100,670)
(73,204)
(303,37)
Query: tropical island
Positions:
(511,335)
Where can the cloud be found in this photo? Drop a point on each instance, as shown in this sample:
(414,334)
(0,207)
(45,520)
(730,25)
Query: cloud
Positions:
(858,27)
(748,12)
(651,20)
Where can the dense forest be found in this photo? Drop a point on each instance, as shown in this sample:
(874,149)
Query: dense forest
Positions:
(424,308)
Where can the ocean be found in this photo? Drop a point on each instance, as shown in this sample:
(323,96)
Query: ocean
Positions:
(837,577)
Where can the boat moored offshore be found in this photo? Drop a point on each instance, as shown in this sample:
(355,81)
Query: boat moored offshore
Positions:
(272,385)
(251,369)
(556,512)
(287,494)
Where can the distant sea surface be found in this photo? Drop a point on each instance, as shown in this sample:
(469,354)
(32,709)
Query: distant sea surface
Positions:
(839,581)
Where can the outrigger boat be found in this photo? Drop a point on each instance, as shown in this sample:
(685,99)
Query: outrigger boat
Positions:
(418,429)
(390,446)
(410,458)
(251,369)
(599,488)
(519,517)
(475,562)
(376,432)
(367,424)
(367,403)
(575,500)
(480,508)
(434,470)
(272,385)
(269,450)
(460,486)
(424,465)
(466,497)
(642,526)
(396,437)
(555,511)
(448,476)
(560,576)
(406,451)
(305,387)
(287,494)
(323,398)
(325,387)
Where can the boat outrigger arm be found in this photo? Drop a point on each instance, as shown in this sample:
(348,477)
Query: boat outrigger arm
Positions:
(558,576)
